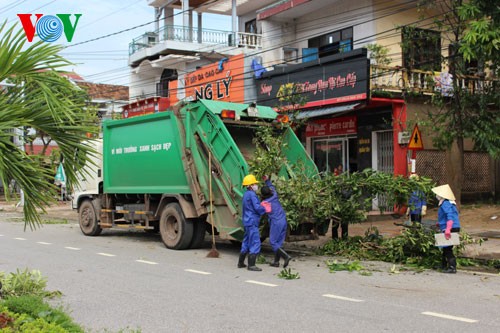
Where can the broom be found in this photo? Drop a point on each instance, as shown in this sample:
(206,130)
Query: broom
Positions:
(213,252)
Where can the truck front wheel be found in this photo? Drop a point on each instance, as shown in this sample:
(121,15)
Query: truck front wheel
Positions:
(175,230)
(88,219)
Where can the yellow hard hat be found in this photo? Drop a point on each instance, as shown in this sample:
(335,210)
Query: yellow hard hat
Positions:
(249,180)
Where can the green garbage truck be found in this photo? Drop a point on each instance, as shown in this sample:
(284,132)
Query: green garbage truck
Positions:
(154,172)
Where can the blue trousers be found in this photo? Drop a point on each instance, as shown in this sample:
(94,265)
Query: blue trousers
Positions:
(251,240)
(277,235)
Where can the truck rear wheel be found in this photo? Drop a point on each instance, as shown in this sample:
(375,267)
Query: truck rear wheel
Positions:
(175,230)
(199,231)
(88,219)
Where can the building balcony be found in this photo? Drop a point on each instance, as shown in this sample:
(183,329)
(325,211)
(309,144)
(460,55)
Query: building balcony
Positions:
(184,39)
(385,80)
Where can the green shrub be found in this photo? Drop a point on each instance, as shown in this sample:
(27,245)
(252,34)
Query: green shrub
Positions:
(25,283)
(35,311)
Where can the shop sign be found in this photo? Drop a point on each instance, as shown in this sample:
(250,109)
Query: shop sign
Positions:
(333,126)
(146,106)
(220,81)
(324,84)
(364,145)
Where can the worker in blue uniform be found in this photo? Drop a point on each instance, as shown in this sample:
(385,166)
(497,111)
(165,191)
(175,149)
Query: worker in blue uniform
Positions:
(277,222)
(252,210)
(448,222)
(417,204)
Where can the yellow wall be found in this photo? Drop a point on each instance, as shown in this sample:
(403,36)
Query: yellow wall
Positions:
(389,35)
(417,112)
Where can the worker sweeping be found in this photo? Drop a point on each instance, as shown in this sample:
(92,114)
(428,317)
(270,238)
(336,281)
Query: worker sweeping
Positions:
(448,222)
(277,222)
(252,210)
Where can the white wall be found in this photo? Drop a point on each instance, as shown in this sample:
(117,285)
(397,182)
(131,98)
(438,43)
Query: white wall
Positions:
(295,33)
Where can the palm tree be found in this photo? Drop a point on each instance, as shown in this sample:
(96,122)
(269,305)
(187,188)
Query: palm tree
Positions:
(38,97)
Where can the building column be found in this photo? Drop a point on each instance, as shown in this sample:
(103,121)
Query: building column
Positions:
(200,27)
(400,152)
(186,19)
(168,23)
(234,20)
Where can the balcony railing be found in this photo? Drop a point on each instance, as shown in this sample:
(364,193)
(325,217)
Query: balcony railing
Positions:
(195,35)
(399,80)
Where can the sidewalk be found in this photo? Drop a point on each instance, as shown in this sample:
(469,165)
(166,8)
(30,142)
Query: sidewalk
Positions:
(479,221)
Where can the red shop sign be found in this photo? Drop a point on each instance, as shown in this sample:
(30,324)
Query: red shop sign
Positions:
(333,126)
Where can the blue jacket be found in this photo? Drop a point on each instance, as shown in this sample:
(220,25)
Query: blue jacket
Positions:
(251,210)
(416,201)
(277,215)
(447,211)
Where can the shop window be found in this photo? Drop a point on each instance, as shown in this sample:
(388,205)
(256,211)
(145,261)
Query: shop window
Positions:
(334,42)
(329,154)
(421,49)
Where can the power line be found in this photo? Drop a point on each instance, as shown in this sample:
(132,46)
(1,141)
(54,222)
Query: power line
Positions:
(345,19)
(253,54)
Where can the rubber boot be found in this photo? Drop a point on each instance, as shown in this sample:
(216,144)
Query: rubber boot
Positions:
(276,262)
(241,260)
(251,263)
(285,256)
(452,268)
(444,263)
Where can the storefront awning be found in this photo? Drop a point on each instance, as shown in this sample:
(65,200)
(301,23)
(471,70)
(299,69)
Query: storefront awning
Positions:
(327,111)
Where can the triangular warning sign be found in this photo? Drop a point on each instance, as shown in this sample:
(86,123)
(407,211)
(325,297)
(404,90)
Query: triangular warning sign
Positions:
(416,140)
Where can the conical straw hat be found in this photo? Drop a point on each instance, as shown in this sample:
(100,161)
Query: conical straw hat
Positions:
(444,191)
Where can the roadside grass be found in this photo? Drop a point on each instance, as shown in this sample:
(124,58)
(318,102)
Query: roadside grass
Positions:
(44,220)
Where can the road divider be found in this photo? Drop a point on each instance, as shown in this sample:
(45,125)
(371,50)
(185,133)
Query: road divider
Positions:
(197,272)
(342,298)
(261,283)
(445,316)
(147,262)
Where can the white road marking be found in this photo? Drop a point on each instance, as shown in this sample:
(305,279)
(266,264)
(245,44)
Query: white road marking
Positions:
(261,283)
(20,238)
(197,272)
(44,243)
(445,316)
(1,235)
(72,248)
(343,298)
(106,254)
(147,262)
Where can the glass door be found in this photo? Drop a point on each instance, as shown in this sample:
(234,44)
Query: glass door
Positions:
(330,155)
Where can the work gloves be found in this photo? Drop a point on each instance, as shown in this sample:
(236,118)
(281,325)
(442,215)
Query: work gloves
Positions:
(447,231)
(267,206)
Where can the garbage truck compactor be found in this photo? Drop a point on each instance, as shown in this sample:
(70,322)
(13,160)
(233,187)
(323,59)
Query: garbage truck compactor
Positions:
(154,172)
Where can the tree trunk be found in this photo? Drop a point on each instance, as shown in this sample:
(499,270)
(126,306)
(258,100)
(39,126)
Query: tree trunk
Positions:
(455,168)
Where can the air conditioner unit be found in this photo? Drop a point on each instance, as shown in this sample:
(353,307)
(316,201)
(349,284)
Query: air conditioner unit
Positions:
(404,138)
(150,38)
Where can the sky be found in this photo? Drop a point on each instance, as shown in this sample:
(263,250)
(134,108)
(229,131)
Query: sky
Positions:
(103,60)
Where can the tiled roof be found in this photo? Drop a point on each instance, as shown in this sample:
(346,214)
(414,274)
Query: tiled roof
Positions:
(105,91)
